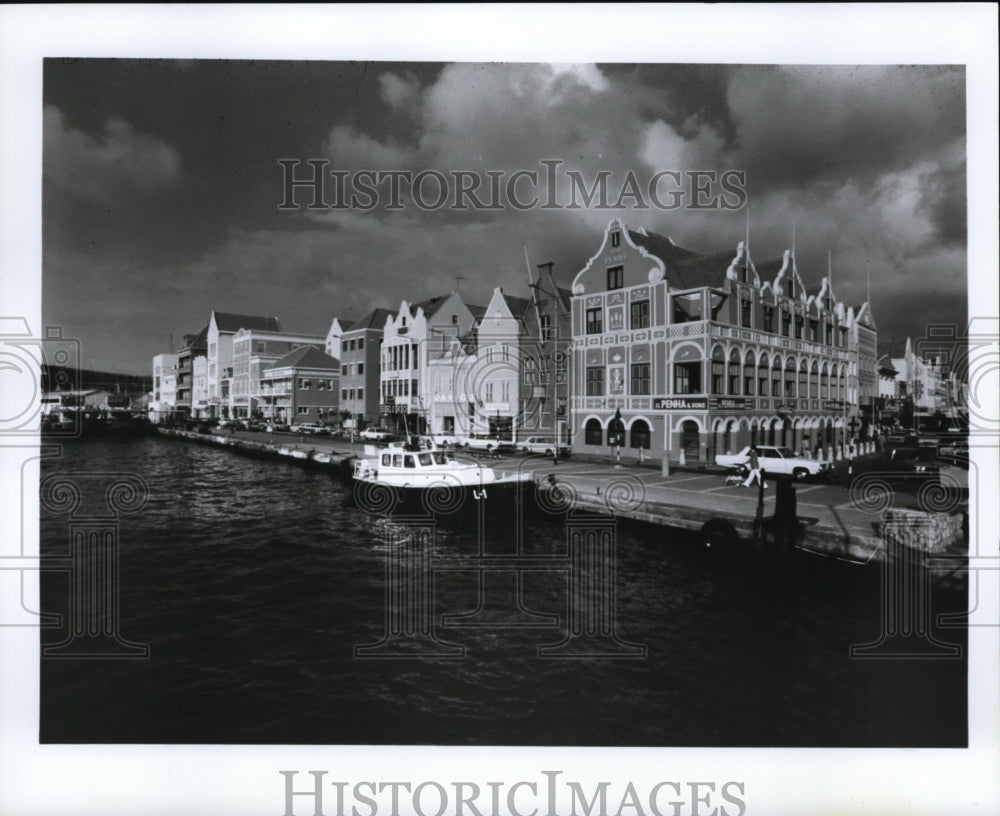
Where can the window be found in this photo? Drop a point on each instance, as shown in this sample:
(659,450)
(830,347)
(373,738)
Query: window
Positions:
(408,461)
(799,320)
(687,378)
(546,325)
(505,391)
(616,277)
(303,410)
(343,370)
(413,388)
(454,320)
(343,394)
(406,388)
(829,334)
(733,379)
(489,392)
(361,343)
(304,384)
(616,238)
(560,367)
(748,381)
(354,345)
(592,432)
(718,372)
(745,306)
(813,330)
(472,410)
(361,393)
(595,381)
(595,320)
(361,368)
(640,315)
(640,378)
(786,320)
(769,318)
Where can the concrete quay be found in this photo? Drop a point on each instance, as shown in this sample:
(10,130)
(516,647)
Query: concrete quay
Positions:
(832,521)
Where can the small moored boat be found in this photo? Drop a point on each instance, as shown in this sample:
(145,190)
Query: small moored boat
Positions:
(429,475)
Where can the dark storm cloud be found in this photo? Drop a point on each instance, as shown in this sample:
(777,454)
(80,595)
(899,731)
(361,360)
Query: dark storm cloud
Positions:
(865,162)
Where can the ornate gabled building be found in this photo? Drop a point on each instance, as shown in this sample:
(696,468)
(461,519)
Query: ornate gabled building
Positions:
(408,337)
(703,354)
(222,327)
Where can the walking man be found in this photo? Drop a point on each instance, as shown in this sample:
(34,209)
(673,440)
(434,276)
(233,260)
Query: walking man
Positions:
(754,464)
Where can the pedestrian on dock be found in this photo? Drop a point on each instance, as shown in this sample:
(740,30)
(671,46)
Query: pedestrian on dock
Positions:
(753,463)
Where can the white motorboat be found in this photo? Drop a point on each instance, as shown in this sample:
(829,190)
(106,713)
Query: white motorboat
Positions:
(432,475)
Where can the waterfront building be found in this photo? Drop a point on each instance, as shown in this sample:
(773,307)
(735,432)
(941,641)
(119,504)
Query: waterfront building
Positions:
(923,382)
(508,377)
(703,354)
(222,327)
(195,345)
(862,374)
(199,387)
(254,351)
(302,386)
(408,337)
(359,350)
(164,397)
(333,335)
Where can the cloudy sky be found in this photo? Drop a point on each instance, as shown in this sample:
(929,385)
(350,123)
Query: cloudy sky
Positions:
(162,184)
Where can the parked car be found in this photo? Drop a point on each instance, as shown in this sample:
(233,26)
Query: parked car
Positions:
(900,468)
(542,444)
(376,435)
(776,460)
(277,427)
(442,439)
(957,451)
(316,428)
(490,444)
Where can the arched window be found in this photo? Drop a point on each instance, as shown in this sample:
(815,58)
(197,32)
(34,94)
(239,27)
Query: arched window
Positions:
(718,371)
(762,376)
(639,434)
(749,374)
(592,432)
(789,377)
(814,380)
(803,379)
(733,374)
(824,383)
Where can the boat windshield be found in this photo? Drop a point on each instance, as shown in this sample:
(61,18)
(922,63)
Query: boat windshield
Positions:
(440,458)
(425,459)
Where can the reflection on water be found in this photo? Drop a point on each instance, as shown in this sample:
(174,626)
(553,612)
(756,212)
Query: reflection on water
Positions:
(253,583)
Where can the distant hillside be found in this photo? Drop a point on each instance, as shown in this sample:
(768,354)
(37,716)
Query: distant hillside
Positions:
(54,378)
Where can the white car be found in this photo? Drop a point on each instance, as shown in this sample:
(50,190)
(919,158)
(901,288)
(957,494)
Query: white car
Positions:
(542,444)
(375,435)
(448,439)
(776,460)
(485,442)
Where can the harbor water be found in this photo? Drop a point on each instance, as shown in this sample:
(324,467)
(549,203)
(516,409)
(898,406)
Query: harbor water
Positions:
(253,591)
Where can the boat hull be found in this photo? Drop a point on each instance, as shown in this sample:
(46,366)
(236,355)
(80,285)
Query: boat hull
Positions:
(440,500)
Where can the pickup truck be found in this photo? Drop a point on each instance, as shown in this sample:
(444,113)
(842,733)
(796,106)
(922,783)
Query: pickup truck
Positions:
(776,460)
